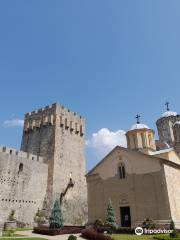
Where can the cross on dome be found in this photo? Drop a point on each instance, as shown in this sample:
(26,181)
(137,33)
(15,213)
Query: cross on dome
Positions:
(167,106)
(138,118)
(168,113)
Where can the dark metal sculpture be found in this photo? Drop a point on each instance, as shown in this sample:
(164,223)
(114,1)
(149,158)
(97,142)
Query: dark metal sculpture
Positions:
(70,185)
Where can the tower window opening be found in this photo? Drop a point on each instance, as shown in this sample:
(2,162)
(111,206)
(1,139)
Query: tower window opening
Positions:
(20,167)
(81,130)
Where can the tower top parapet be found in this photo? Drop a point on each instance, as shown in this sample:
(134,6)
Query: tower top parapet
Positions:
(55,115)
(21,154)
(54,108)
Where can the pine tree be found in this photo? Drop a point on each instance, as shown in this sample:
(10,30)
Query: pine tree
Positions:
(56,218)
(172,225)
(110,217)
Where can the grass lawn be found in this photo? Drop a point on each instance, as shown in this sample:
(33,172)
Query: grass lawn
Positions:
(134,237)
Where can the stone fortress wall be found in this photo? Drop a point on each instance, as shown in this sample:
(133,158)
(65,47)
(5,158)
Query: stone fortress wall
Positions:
(57,134)
(22,184)
(52,152)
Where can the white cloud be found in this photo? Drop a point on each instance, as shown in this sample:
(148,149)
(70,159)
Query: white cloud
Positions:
(14,123)
(105,140)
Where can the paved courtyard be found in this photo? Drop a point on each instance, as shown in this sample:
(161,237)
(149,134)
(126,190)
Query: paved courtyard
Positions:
(29,233)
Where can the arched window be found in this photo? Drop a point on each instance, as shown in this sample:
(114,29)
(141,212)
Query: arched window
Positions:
(122,171)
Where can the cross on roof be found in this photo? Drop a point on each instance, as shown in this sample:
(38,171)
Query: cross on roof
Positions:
(138,118)
(167,106)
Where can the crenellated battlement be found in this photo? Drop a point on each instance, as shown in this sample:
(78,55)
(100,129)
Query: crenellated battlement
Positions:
(55,114)
(45,110)
(15,152)
(52,109)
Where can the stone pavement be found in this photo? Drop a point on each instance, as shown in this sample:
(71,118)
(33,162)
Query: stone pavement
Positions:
(29,233)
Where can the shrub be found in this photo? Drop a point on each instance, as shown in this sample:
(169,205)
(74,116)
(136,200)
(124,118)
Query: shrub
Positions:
(72,237)
(149,223)
(98,223)
(93,235)
(174,234)
(57,231)
(124,230)
(172,225)
(56,218)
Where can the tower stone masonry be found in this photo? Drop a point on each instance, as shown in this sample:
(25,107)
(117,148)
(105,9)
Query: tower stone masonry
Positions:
(165,128)
(57,134)
(177,136)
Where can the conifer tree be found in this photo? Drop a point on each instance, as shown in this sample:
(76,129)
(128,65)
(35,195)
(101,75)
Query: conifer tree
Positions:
(56,218)
(110,217)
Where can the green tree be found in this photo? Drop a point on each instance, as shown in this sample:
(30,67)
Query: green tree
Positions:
(172,225)
(174,233)
(56,219)
(110,217)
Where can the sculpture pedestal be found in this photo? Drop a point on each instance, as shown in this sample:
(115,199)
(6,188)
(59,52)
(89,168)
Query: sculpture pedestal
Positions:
(10,225)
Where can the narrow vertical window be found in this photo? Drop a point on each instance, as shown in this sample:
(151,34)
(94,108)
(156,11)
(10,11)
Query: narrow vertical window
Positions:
(149,136)
(20,167)
(134,139)
(143,140)
(122,171)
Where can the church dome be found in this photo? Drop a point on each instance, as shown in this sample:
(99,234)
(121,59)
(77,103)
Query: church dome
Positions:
(169,113)
(177,123)
(139,126)
(140,136)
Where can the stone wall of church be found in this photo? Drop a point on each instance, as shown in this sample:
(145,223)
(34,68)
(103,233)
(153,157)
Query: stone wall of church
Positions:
(22,183)
(143,189)
(173,180)
(143,193)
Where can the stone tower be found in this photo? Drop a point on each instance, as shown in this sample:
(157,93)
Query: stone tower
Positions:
(165,127)
(57,134)
(176,130)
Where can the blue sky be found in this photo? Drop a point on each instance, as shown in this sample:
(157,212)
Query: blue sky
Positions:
(107,60)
